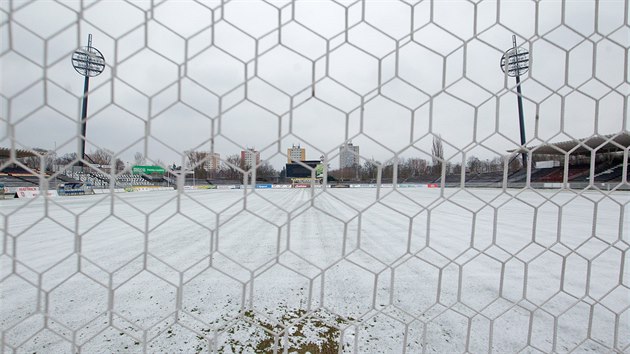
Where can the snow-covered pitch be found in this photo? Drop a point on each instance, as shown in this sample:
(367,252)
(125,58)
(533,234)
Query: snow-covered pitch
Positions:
(337,270)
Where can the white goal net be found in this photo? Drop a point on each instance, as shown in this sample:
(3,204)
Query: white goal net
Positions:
(334,176)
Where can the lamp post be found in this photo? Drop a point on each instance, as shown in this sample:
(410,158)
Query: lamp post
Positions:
(514,63)
(87,61)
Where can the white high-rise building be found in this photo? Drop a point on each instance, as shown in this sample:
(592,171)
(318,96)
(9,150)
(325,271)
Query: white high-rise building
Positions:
(213,162)
(348,155)
(250,158)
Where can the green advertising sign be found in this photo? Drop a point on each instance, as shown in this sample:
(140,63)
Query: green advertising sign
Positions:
(147,170)
(319,170)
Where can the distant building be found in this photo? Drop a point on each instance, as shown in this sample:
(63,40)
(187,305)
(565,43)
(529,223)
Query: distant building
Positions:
(213,162)
(296,153)
(348,155)
(250,158)
(206,160)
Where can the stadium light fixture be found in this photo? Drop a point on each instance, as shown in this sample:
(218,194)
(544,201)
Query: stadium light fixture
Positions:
(88,62)
(514,63)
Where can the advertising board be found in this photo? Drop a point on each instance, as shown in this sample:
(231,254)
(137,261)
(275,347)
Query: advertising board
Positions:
(147,170)
(32,192)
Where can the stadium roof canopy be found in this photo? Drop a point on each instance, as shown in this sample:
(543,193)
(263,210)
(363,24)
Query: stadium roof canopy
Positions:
(5,153)
(603,144)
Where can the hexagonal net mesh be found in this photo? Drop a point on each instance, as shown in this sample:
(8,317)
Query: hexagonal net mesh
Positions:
(314,176)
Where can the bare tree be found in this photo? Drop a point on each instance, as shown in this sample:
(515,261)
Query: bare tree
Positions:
(138,158)
(195,158)
(457,169)
(266,171)
(417,166)
(283,174)
(120,165)
(496,164)
(346,173)
(66,159)
(196,161)
(388,170)
(101,157)
(475,165)
(105,157)
(47,157)
(437,152)
(369,170)
(229,169)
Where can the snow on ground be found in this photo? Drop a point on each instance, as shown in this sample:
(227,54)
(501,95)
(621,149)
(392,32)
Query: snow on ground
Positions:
(367,270)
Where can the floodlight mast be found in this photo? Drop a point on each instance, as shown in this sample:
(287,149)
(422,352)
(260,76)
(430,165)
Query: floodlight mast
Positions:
(515,62)
(87,61)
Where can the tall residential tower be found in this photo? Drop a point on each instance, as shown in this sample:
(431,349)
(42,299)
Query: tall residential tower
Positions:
(250,158)
(348,155)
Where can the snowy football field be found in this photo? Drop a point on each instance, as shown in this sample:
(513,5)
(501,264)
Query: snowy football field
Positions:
(415,270)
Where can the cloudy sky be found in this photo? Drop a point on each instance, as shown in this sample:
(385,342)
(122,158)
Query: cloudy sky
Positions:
(386,75)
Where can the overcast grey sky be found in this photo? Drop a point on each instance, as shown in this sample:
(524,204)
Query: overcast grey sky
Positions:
(386,74)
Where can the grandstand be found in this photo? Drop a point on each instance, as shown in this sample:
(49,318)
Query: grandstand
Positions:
(5,154)
(606,152)
(548,167)
(102,180)
(16,176)
(13,175)
(608,172)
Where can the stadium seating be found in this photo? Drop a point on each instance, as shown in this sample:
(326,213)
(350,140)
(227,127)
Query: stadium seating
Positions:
(16,176)
(613,174)
(102,180)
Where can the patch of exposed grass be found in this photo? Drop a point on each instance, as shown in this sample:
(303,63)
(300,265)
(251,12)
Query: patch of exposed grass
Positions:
(317,332)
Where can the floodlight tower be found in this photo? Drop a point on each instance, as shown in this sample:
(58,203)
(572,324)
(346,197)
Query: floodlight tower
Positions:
(514,63)
(88,62)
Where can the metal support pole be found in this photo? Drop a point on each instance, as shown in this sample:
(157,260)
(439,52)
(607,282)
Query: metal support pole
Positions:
(87,61)
(515,62)
(86,88)
(521,119)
